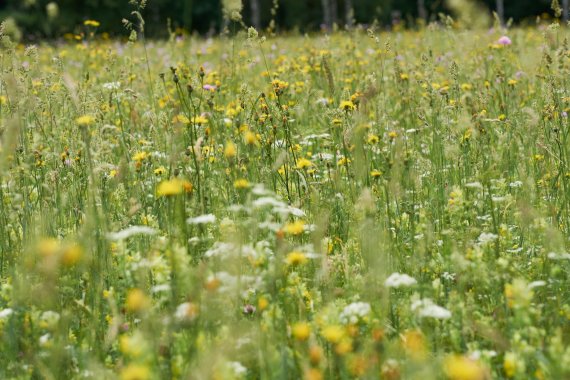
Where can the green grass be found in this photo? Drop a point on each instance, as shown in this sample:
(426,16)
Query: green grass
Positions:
(232,208)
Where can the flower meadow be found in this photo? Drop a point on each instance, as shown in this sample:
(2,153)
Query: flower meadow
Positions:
(364,204)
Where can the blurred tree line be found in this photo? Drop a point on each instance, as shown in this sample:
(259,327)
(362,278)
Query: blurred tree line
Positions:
(52,18)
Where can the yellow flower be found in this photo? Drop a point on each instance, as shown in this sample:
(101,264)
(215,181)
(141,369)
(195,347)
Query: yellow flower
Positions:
(295,228)
(347,105)
(333,334)
(92,23)
(466,86)
(372,139)
(303,163)
(135,372)
(459,367)
(160,170)
(296,258)
(230,150)
(250,138)
(48,247)
(140,156)
(182,119)
(510,364)
(199,120)
(136,301)
(241,183)
(173,187)
(71,255)
(375,173)
(85,120)
(414,344)
(301,331)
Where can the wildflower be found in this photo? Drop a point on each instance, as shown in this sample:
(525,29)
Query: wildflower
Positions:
(241,183)
(425,308)
(459,367)
(174,186)
(160,170)
(180,119)
(135,372)
(202,219)
(414,344)
(296,258)
(85,120)
(504,40)
(375,173)
(295,228)
(333,334)
(355,312)
(71,255)
(347,105)
(136,301)
(372,139)
(397,280)
(186,311)
(230,150)
(313,374)
(249,309)
(303,163)
(140,156)
(131,231)
(279,86)
(199,120)
(92,23)
(250,138)
(301,331)
(512,364)
(518,294)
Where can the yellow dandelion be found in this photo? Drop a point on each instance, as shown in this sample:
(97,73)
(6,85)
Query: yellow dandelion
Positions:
(459,367)
(135,372)
(333,334)
(230,150)
(174,186)
(347,105)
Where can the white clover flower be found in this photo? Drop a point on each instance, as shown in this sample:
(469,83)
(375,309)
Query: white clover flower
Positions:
(397,280)
(354,312)
(112,85)
(202,219)
(425,308)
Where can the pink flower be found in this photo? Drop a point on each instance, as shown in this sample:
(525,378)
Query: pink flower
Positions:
(504,40)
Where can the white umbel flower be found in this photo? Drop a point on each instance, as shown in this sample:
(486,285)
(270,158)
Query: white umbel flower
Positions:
(355,312)
(398,280)
(425,308)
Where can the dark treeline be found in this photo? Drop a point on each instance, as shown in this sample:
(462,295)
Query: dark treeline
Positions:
(48,18)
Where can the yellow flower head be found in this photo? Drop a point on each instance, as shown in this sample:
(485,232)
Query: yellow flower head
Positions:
(230,150)
(135,372)
(241,183)
(136,301)
(296,258)
(347,105)
(303,163)
(85,120)
(301,331)
(92,23)
(295,228)
(174,186)
(333,334)
(459,367)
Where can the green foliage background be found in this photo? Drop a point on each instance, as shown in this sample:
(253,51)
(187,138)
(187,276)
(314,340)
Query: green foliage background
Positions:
(205,16)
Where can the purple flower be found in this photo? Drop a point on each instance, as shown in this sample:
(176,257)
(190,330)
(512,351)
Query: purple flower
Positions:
(504,40)
(210,87)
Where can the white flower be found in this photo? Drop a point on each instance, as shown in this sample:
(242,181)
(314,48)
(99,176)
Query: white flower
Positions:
(397,280)
(131,231)
(238,368)
(559,256)
(112,85)
(202,219)
(186,312)
(486,237)
(355,312)
(5,313)
(474,185)
(425,308)
(536,284)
